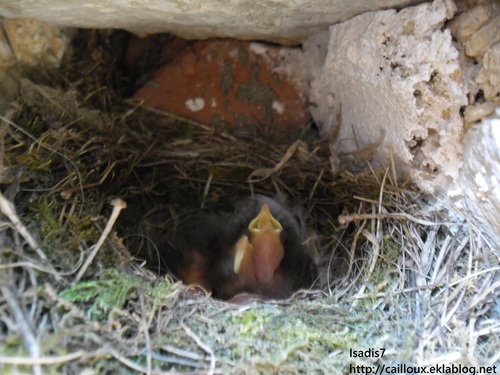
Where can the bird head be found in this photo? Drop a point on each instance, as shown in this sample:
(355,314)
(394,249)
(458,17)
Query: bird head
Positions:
(242,253)
(268,249)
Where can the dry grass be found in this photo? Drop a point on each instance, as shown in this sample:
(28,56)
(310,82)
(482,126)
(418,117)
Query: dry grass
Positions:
(420,283)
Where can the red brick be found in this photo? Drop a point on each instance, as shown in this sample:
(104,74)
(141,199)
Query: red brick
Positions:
(233,82)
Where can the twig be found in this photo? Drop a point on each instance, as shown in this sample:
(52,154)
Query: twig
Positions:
(118,205)
(31,264)
(127,362)
(316,183)
(173,360)
(263,173)
(41,360)
(134,366)
(30,340)
(145,327)
(182,352)
(376,238)
(8,210)
(203,346)
(346,219)
(493,289)
(207,189)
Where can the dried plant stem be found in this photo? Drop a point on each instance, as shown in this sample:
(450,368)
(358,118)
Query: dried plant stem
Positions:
(118,205)
(203,346)
(145,327)
(346,219)
(127,362)
(42,360)
(263,173)
(8,210)
(182,352)
(30,341)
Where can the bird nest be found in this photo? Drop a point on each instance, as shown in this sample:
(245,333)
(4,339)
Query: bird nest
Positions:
(397,285)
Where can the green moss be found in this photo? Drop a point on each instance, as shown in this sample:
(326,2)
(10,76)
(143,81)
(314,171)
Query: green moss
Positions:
(61,233)
(273,338)
(385,269)
(112,289)
(44,213)
(391,249)
(33,162)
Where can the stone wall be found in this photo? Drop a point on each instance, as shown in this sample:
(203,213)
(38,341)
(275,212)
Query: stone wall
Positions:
(286,21)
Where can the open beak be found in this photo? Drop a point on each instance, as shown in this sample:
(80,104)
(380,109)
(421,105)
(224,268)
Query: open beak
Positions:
(265,239)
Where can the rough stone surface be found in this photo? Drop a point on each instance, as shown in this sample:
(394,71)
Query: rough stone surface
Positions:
(7,58)
(288,21)
(483,39)
(393,80)
(477,112)
(479,179)
(34,42)
(463,26)
(488,79)
(396,82)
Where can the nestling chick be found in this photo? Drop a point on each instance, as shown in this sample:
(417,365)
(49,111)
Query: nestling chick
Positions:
(261,249)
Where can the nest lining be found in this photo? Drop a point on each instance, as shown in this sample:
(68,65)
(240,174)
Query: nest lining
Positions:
(391,275)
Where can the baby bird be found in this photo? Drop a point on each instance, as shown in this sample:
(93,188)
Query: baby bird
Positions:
(261,249)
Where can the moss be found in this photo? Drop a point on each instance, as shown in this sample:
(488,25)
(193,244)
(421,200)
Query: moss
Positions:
(112,290)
